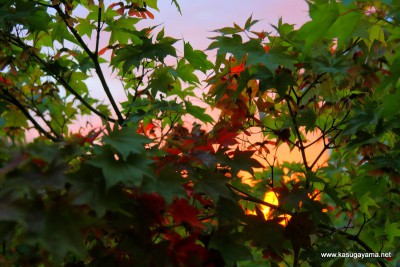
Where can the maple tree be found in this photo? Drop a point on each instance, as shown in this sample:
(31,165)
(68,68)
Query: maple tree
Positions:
(144,189)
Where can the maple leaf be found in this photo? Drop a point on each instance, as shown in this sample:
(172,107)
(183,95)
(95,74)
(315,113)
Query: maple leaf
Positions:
(299,229)
(154,206)
(185,251)
(182,211)
(242,160)
(126,141)
(130,171)
(237,69)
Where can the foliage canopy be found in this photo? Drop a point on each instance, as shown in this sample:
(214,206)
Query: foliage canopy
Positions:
(146,189)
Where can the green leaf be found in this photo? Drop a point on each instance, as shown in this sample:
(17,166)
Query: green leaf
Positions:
(198,112)
(367,201)
(197,58)
(126,141)
(85,28)
(38,21)
(175,2)
(282,81)
(229,30)
(231,248)
(334,195)
(249,23)
(390,105)
(392,230)
(226,44)
(307,118)
(132,55)
(129,172)
(161,80)
(64,220)
(243,161)
(88,188)
(160,35)
(323,16)
(186,73)
(169,184)
(350,17)
(152,4)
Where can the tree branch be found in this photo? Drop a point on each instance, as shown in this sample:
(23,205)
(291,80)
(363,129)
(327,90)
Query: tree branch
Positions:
(245,196)
(98,31)
(297,131)
(94,57)
(18,42)
(311,85)
(11,99)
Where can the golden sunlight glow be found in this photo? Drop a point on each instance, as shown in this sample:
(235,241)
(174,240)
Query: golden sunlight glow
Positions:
(269,197)
(272,198)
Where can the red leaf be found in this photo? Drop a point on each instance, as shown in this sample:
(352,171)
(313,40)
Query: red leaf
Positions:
(13,69)
(149,130)
(143,14)
(92,135)
(5,80)
(172,151)
(187,251)
(226,138)
(154,206)
(182,211)
(115,4)
(237,69)
(102,51)
(120,10)
(150,15)
(134,12)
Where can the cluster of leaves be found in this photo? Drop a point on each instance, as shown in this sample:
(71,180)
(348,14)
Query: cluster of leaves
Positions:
(146,190)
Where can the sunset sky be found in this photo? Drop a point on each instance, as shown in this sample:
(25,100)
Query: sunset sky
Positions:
(200,17)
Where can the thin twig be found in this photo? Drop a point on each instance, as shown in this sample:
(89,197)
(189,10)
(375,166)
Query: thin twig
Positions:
(297,131)
(98,31)
(311,85)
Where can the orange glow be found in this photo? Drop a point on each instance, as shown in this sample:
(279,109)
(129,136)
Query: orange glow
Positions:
(269,197)
(272,198)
